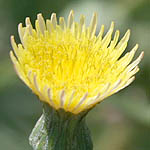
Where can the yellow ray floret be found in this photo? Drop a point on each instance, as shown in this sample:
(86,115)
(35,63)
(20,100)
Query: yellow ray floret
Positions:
(68,66)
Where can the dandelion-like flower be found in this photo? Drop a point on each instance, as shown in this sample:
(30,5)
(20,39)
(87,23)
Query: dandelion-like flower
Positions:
(70,67)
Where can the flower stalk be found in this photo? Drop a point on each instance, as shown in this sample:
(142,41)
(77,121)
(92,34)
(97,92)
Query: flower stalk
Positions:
(60,130)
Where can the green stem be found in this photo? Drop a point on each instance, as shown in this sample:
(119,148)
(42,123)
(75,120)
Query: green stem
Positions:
(60,130)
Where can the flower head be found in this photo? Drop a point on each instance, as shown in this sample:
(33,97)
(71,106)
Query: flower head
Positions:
(70,67)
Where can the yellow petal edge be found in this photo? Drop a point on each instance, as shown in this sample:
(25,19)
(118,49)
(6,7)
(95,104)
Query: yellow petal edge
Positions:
(70,67)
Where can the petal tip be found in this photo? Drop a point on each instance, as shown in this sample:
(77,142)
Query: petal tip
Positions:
(72,12)
(142,54)
(11,38)
(39,15)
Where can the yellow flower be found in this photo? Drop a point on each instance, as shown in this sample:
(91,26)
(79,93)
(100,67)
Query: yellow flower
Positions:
(70,67)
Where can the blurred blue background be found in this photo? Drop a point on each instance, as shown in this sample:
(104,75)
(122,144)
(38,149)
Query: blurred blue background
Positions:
(122,122)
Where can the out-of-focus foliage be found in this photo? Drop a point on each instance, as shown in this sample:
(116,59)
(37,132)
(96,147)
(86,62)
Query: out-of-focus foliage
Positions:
(140,13)
(122,122)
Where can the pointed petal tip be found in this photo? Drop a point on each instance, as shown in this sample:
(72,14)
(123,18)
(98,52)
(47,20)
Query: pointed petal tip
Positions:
(70,19)
(133,78)
(72,12)
(128,31)
(39,15)
(19,25)
(13,43)
(112,24)
(11,53)
(53,15)
(95,15)
(130,81)
(13,57)
(12,38)
(118,31)
(137,45)
(142,54)
(127,34)
(27,19)
(140,57)
(134,49)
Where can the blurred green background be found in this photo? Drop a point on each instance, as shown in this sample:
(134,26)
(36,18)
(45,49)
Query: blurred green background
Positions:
(122,122)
